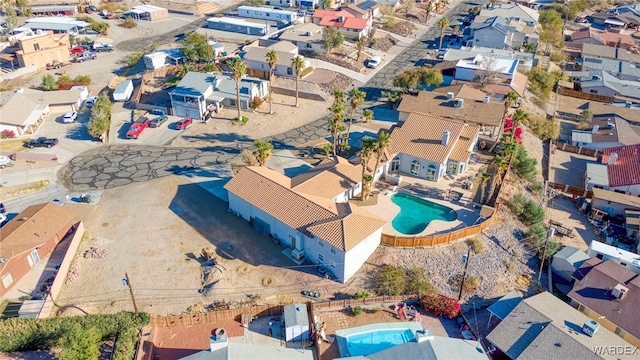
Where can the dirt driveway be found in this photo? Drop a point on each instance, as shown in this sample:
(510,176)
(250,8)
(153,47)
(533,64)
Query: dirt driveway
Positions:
(155,231)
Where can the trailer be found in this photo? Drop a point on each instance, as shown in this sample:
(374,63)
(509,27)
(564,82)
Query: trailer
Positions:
(123,91)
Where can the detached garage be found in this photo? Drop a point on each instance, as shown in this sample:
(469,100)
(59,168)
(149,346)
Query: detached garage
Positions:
(148,13)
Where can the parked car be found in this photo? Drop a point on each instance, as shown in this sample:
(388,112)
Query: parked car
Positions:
(184,123)
(90,101)
(5,161)
(70,117)
(102,47)
(86,56)
(157,121)
(138,127)
(374,62)
(42,142)
(77,50)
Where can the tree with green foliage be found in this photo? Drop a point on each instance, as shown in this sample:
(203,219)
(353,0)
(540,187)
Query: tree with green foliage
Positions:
(24,7)
(542,82)
(413,78)
(390,280)
(356,98)
(519,117)
(11,19)
(100,119)
(510,100)
(272,60)
(331,38)
(524,166)
(298,65)
(526,210)
(367,148)
(360,45)
(442,23)
(48,83)
(529,47)
(238,70)
(545,129)
(383,144)
(586,116)
(80,344)
(195,48)
(326,4)
(417,283)
(336,125)
(263,151)
(132,59)
(367,114)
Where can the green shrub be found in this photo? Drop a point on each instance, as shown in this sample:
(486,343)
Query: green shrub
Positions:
(544,129)
(357,310)
(396,280)
(361,294)
(132,59)
(100,119)
(470,284)
(524,166)
(129,23)
(48,83)
(526,210)
(476,244)
(536,235)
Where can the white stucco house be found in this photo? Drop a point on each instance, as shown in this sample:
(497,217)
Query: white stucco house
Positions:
(198,94)
(305,218)
(502,70)
(255,58)
(429,147)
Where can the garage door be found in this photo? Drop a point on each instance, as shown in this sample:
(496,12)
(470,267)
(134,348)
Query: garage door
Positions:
(180,111)
(193,113)
(261,226)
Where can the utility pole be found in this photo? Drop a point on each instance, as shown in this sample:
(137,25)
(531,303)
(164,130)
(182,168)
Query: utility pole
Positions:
(464,273)
(133,299)
(552,232)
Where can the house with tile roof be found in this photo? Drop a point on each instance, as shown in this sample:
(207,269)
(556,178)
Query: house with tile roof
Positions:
(589,35)
(301,213)
(606,131)
(255,57)
(349,25)
(197,95)
(476,107)
(618,170)
(307,37)
(30,236)
(21,114)
(544,327)
(610,294)
(428,146)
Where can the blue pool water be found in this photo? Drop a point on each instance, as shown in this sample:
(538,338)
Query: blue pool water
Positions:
(367,343)
(416,213)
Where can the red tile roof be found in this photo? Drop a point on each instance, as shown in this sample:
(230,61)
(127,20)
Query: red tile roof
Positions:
(603,37)
(626,170)
(332,17)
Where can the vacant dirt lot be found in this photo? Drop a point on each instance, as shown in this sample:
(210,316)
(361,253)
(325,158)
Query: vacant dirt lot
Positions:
(155,232)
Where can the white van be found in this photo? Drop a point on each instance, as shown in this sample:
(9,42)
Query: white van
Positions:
(374,62)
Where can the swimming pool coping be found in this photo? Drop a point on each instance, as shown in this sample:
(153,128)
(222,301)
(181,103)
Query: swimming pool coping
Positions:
(342,334)
(422,199)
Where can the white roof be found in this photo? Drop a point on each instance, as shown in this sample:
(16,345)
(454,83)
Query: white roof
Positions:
(502,65)
(236,21)
(581,136)
(597,174)
(614,252)
(57,20)
(146,8)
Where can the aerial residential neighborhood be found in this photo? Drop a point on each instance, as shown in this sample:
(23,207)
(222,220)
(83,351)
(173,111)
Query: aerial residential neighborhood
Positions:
(279,179)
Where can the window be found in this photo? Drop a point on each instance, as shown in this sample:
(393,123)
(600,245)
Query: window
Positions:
(593,91)
(621,332)
(36,46)
(333,250)
(320,257)
(431,172)
(289,71)
(332,264)
(320,242)
(600,256)
(395,164)
(415,167)
(583,309)
(7,280)
(308,46)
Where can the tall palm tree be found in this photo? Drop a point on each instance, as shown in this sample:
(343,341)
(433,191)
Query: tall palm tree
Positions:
(263,151)
(360,44)
(510,99)
(519,117)
(443,23)
(338,96)
(238,69)
(368,145)
(382,145)
(336,125)
(297,63)
(356,98)
(427,11)
(272,60)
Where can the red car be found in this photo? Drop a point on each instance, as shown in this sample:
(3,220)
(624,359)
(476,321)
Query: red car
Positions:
(77,50)
(138,127)
(184,123)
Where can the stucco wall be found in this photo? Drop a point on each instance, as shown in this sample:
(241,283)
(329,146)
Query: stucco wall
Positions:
(356,257)
(405,166)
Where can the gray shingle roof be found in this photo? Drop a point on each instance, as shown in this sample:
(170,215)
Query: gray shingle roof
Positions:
(296,315)
(505,305)
(194,84)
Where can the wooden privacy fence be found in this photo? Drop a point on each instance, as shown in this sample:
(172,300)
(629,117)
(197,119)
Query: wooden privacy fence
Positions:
(571,190)
(373,301)
(216,316)
(586,96)
(437,239)
(578,150)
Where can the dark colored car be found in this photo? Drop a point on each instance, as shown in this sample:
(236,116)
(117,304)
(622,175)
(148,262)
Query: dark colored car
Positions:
(184,123)
(138,127)
(42,142)
(157,121)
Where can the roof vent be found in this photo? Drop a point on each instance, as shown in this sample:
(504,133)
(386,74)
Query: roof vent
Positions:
(619,292)
(309,33)
(613,157)
(458,102)
(590,327)
(611,124)
(595,129)
(486,99)
(445,137)
(627,104)
(450,95)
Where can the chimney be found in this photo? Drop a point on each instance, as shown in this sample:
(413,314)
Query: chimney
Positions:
(445,137)
(219,340)
(486,99)
(595,129)
(613,157)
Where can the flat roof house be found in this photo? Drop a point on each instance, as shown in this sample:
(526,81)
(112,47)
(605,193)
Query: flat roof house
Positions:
(429,147)
(610,294)
(266,13)
(148,12)
(29,237)
(481,67)
(198,94)
(40,48)
(236,25)
(624,258)
(258,66)
(618,170)
(544,327)
(57,25)
(341,236)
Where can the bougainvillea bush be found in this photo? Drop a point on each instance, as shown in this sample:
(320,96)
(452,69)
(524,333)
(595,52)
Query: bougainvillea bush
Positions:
(7,134)
(441,305)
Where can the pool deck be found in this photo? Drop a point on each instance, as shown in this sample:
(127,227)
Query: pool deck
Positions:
(343,334)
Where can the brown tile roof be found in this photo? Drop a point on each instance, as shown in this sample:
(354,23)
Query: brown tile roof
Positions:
(272,192)
(461,151)
(518,85)
(349,229)
(464,91)
(626,170)
(616,197)
(32,227)
(421,135)
(328,179)
(15,108)
(473,111)
(594,292)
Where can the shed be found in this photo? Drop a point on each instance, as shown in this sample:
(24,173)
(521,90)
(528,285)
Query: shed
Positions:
(296,322)
(149,12)
(567,261)
(123,91)
(155,60)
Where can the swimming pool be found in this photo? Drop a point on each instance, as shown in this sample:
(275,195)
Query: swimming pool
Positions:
(377,340)
(416,213)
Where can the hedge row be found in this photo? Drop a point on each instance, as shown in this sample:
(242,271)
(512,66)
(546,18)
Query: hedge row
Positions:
(43,334)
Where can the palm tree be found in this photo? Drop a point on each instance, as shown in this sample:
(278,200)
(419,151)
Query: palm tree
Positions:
(368,145)
(501,164)
(443,23)
(238,69)
(382,145)
(510,99)
(483,185)
(272,60)
(367,114)
(338,96)
(263,151)
(356,97)
(360,44)
(529,47)
(427,11)
(519,117)
(336,126)
(298,66)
